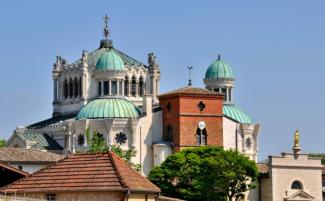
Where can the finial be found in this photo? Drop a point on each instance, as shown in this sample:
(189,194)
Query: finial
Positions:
(189,75)
(219,57)
(106,30)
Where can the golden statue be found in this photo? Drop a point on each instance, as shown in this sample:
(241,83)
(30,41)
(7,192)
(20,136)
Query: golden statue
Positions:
(296,138)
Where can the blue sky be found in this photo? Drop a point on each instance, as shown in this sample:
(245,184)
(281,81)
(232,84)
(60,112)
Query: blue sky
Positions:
(276,50)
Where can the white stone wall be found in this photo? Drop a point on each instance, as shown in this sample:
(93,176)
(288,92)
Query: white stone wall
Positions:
(285,170)
(30,168)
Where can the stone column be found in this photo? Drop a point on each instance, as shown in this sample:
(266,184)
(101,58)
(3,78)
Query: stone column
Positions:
(118,87)
(110,87)
(227,94)
(55,95)
(158,86)
(153,86)
(136,88)
(123,87)
(129,88)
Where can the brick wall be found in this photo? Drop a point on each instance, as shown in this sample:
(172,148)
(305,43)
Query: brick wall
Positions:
(184,115)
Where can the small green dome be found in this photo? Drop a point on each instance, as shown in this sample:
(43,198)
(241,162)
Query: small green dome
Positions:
(109,60)
(219,69)
(108,108)
(236,113)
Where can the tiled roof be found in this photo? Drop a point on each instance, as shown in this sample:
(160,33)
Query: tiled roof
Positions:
(43,140)
(190,90)
(8,167)
(84,172)
(51,121)
(263,168)
(21,155)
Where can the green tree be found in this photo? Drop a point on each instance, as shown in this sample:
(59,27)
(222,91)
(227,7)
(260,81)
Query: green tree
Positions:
(319,155)
(98,144)
(2,143)
(205,173)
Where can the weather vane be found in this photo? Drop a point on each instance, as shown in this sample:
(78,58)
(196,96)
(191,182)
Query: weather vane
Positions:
(189,75)
(106,30)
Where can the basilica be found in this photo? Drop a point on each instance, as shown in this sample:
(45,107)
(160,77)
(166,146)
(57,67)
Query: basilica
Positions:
(109,93)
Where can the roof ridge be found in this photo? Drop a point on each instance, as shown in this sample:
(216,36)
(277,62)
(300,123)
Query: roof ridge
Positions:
(112,157)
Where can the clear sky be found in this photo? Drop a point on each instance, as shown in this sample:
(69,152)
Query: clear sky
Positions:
(276,50)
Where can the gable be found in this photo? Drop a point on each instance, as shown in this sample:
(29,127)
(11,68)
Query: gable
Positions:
(300,195)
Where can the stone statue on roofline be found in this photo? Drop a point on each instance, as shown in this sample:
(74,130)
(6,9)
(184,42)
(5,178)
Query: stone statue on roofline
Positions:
(84,57)
(152,60)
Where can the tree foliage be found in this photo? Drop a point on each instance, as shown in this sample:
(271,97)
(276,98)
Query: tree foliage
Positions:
(319,155)
(205,173)
(98,144)
(2,143)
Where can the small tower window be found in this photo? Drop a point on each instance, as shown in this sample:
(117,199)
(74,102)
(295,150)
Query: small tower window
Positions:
(201,136)
(168,133)
(65,90)
(141,86)
(76,88)
(99,88)
(224,92)
(126,86)
(296,185)
(70,88)
(114,88)
(133,87)
(106,87)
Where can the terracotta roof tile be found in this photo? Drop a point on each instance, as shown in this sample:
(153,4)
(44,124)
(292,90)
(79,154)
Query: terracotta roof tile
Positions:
(84,172)
(22,155)
(263,168)
(190,90)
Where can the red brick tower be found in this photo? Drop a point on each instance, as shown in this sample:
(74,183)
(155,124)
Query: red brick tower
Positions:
(192,117)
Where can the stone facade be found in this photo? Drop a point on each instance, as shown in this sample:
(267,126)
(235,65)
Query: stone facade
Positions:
(292,177)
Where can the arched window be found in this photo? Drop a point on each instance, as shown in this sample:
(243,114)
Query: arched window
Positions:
(141,86)
(133,87)
(296,185)
(65,89)
(201,136)
(168,133)
(76,88)
(126,86)
(99,88)
(70,88)
(80,87)
(81,140)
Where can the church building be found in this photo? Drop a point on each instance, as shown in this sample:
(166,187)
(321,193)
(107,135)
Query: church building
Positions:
(110,94)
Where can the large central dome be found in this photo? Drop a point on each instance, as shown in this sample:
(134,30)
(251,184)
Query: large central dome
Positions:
(108,108)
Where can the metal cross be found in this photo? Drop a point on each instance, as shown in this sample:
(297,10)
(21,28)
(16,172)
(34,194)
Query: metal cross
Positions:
(189,75)
(106,30)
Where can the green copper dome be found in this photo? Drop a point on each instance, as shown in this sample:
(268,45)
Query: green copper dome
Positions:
(219,69)
(110,60)
(236,113)
(108,108)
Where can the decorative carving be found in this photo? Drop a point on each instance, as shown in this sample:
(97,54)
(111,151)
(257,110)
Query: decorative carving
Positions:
(60,62)
(152,60)
(84,57)
(120,138)
(201,106)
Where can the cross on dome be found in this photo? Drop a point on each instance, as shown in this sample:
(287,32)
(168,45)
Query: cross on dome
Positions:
(106,30)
